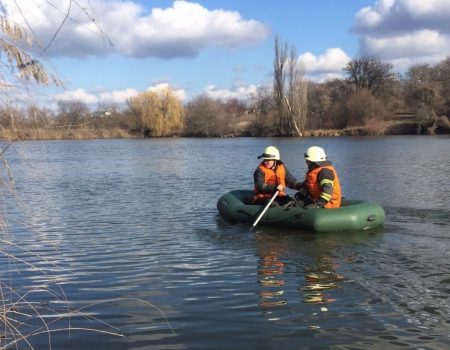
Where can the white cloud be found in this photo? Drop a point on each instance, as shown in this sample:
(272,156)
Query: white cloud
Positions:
(416,44)
(332,61)
(78,95)
(112,97)
(239,92)
(117,96)
(405,32)
(182,30)
(323,77)
(93,98)
(371,17)
(180,93)
(399,16)
(326,66)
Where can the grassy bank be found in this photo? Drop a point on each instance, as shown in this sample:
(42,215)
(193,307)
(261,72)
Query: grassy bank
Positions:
(406,125)
(400,125)
(72,133)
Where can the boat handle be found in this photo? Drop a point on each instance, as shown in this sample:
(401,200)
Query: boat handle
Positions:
(371,217)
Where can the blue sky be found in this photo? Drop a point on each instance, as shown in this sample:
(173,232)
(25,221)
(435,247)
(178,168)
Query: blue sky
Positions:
(221,48)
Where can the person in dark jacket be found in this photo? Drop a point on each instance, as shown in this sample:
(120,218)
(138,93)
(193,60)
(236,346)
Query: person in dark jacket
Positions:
(270,176)
(321,188)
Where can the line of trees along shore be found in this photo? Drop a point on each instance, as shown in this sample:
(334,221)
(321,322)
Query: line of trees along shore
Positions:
(370,99)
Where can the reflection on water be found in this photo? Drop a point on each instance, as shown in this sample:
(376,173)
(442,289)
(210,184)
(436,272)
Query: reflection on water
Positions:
(270,275)
(318,279)
(321,277)
(127,231)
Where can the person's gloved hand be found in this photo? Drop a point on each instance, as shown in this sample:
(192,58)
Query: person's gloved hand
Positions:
(301,194)
(280,187)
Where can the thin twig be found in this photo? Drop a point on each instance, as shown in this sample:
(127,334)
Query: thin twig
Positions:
(59,28)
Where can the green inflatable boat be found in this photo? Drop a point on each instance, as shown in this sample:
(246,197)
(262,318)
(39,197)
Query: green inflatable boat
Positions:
(353,215)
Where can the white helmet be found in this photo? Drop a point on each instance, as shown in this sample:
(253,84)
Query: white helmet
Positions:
(315,154)
(270,153)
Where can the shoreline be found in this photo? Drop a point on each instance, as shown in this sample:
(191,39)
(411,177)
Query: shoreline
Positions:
(83,133)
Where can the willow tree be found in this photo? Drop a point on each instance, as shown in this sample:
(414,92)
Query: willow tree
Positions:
(161,112)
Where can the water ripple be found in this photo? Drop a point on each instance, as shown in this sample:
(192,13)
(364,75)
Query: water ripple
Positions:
(130,241)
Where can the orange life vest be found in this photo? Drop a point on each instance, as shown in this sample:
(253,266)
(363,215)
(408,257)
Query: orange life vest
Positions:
(271,177)
(315,189)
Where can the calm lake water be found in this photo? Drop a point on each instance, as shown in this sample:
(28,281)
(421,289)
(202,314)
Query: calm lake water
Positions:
(124,236)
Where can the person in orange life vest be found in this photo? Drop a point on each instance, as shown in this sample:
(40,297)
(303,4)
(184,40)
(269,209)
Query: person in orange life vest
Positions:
(270,176)
(321,188)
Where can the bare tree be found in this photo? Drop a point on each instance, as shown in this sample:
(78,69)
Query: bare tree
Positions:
(279,82)
(72,111)
(39,117)
(443,69)
(262,107)
(422,87)
(290,100)
(370,73)
(204,118)
(319,101)
(297,99)
(338,89)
